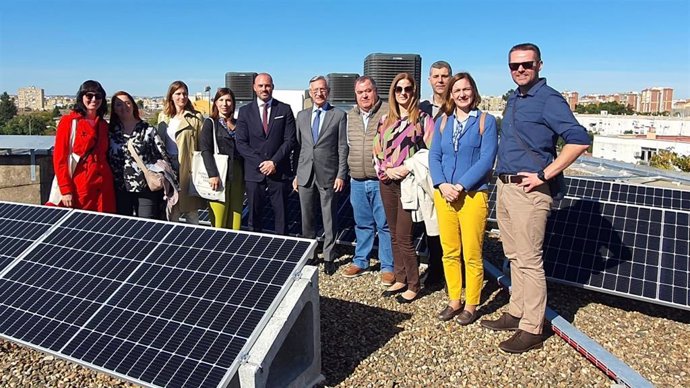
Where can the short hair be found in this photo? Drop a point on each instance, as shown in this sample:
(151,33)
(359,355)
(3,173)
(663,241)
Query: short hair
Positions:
(319,78)
(526,46)
(448,104)
(114,117)
(261,74)
(91,86)
(168,104)
(215,113)
(441,65)
(365,78)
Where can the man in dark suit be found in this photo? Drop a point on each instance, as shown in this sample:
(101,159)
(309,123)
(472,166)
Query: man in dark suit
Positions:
(265,136)
(322,164)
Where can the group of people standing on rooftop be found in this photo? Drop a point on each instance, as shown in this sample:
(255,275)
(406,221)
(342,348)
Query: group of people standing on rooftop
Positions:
(407,162)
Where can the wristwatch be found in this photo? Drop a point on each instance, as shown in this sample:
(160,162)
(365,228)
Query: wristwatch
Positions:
(540,175)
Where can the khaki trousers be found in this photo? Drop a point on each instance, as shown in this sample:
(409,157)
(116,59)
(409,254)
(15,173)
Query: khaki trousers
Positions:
(461,227)
(522,221)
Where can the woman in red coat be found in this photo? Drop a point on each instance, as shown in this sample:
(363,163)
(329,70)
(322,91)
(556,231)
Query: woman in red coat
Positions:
(91,185)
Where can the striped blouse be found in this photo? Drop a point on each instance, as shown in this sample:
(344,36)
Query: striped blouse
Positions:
(393,145)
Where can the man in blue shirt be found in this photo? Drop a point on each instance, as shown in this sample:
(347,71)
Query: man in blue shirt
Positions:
(535,116)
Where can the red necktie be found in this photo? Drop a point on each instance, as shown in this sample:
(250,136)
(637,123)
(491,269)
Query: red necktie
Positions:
(265,118)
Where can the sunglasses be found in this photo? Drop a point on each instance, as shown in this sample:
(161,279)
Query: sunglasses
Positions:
(91,96)
(406,89)
(525,65)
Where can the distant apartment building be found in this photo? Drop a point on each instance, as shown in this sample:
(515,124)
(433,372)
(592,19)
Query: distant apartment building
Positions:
(631,99)
(30,98)
(572,98)
(62,102)
(680,108)
(588,99)
(656,100)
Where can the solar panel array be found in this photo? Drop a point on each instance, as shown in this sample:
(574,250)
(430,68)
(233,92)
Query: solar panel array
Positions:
(624,239)
(156,303)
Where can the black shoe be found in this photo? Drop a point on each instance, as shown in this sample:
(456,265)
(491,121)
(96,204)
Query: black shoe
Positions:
(433,287)
(388,294)
(329,268)
(402,300)
(521,342)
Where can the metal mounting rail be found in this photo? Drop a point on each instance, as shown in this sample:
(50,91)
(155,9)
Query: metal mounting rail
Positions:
(595,353)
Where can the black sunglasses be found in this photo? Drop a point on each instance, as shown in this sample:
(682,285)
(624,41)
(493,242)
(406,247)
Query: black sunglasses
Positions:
(525,65)
(406,89)
(91,96)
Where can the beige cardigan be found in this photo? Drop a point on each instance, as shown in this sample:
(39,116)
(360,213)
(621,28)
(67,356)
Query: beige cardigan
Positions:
(417,192)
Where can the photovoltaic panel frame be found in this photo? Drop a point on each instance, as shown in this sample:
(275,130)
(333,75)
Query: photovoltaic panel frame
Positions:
(155,303)
(21,226)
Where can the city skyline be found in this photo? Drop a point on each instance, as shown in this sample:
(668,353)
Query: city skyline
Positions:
(587,46)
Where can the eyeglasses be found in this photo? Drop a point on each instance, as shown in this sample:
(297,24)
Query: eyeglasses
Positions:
(91,96)
(319,90)
(525,65)
(406,89)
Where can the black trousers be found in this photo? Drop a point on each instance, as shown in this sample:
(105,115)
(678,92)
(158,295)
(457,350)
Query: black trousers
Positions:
(277,192)
(146,204)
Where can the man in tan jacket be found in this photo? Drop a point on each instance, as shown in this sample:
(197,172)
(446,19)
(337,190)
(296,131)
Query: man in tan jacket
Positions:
(370,218)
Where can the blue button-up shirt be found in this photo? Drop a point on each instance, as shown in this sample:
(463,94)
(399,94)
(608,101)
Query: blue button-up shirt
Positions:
(540,116)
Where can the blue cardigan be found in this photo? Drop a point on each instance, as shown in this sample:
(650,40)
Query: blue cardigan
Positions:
(470,166)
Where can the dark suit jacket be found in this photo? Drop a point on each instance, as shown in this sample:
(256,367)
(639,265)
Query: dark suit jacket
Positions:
(226,146)
(327,159)
(255,146)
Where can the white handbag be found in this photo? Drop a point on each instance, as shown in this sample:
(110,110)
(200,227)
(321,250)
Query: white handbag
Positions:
(200,186)
(55,196)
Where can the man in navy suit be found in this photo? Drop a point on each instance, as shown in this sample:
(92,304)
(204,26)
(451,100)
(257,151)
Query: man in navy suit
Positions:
(265,137)
(322,165)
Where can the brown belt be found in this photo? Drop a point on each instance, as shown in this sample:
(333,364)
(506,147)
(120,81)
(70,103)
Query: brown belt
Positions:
(507,178)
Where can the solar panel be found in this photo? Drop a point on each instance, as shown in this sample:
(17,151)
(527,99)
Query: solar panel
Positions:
(156,303)
(21,225)
(627,250)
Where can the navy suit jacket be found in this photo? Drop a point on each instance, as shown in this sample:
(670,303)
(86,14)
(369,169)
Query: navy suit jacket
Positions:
(255,146)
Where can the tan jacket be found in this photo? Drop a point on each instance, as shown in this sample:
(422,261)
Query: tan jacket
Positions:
(360,158)
(187,139)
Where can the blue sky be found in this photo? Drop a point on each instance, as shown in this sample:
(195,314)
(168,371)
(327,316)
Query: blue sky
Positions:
(141,46)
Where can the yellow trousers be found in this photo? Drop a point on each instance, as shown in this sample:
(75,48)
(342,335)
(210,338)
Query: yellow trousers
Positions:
(461,227)
(229,213)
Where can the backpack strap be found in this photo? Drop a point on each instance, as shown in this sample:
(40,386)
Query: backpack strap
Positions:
(444,119)
(482,122)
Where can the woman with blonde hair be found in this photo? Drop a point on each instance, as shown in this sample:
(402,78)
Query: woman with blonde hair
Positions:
(404,131)
(460,161)
(179,124)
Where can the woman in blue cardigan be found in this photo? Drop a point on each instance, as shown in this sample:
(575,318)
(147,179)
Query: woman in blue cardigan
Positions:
(462,155)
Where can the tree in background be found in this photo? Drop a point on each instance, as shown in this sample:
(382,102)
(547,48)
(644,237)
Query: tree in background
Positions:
(140,104)
(613,108)
(7,109)
(56,112)
(669,160)
(37,123)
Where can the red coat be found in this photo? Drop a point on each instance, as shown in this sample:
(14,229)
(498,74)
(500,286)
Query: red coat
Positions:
(92,186)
